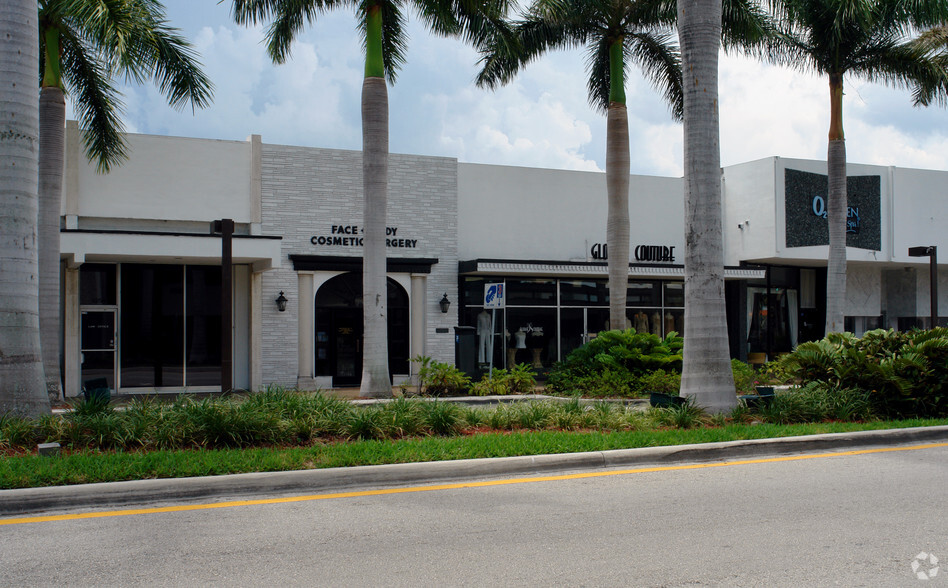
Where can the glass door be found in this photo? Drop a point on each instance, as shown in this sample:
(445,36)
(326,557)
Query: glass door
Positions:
(579,325)
(97,349)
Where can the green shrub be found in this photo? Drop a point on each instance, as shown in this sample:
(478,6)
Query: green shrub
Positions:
(745,378)
(441,418)
(365,423)
(680,416)
(615,359)
(521,379)
(660,381)
(905,374)
(439,379)
(16,431)
(607,384)
(818,402)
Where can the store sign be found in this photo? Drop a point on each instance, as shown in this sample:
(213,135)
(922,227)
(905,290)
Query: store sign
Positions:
(647,253)
(348,236)
(805,208)
(494,296)
(852,214)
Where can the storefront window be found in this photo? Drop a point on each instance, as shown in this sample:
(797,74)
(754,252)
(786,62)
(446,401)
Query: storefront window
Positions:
(530,292)
(472,289)
(643,294)
(485,330)
(97,284)
(675,294)
(772,320)
(530,337)
(584,293)
(203,328)
(152,319)
(645,320)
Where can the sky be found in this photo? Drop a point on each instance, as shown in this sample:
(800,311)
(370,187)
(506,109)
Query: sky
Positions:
(541,119)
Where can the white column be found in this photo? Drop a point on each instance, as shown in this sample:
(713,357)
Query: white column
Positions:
(256,330)
(419,321)
(71,332)
(307,336)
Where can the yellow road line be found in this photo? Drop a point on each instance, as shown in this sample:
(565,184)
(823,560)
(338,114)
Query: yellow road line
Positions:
(431,488)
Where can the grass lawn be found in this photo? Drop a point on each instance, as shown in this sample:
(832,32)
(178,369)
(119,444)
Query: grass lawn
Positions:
(85,466)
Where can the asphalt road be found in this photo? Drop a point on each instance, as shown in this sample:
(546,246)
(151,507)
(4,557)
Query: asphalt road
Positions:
(846,520)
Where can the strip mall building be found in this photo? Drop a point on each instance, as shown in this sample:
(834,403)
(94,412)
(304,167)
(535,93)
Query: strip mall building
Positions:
(141,279)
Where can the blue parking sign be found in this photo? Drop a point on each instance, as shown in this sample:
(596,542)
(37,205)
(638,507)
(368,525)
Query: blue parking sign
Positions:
(493,295)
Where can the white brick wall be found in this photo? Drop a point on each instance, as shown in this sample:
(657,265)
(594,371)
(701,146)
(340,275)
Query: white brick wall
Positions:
(305,191)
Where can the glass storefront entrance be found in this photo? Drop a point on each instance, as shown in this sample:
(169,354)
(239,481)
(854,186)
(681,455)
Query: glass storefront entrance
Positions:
(546,318)
(339,329)
(150,326)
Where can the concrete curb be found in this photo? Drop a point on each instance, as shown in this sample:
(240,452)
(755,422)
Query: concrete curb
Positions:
(121,494)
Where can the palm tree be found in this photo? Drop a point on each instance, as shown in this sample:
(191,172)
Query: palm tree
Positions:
(616,34)
(22,388)
(621,31)
(382,25)
(876,41)
(706,368)
(83,44)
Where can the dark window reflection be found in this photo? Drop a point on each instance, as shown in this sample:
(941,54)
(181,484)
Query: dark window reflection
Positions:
(643,294)
(675,294)
(152,325)
(97,284)
(530,292)
(472,289)
(584,293)
(203,328)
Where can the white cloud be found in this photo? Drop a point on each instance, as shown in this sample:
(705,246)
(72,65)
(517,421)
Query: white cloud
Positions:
(541,119)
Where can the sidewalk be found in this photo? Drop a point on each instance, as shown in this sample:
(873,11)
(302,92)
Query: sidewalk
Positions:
(219,488)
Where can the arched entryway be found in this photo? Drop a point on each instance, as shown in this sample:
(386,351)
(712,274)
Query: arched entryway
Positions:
(339,327)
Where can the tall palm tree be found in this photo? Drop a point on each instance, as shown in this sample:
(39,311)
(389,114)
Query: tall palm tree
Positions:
(875,40)
(706,368)
(615,34)
(83,44)
(22,388)
(382,24)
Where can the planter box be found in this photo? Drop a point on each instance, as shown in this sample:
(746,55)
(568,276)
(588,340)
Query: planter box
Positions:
(661,400)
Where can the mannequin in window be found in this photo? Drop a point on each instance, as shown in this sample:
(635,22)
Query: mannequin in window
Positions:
(669,323)
(657,323)
(641,322)
(521,339)
(483,336)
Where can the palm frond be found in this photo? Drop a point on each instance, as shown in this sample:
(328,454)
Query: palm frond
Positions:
(660,60)
(599,80)
(97,104)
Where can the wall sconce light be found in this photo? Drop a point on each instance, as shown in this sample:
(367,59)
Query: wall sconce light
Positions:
(281,302)
(444,303)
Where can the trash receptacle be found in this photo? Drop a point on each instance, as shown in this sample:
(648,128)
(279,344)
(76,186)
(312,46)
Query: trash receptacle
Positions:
(465,350)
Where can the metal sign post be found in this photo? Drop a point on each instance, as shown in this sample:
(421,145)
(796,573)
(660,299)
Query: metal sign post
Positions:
(493,299)
(931,252)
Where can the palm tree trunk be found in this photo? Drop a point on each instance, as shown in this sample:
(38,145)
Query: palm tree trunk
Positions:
(22,383)
(836,208)
(617,223)
(376,382)
(706,373)
(51,156)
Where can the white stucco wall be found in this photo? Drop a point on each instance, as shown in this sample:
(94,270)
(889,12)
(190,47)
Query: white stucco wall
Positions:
(748,192)
(524,213)
(170,179)
(755,191)
(920,214)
